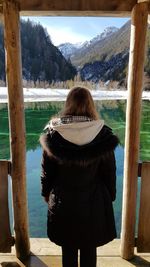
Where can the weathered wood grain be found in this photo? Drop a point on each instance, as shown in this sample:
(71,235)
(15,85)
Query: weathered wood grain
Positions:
(76,8)
(46,254)
(6,240)
(133,115)
(113,5)
(17,125)
(143,241)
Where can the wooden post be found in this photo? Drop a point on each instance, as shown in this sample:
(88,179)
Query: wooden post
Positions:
(135,81)
(17,125)
(6,240)
(143,240)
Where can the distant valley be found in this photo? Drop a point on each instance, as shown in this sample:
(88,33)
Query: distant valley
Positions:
(106,56)
(102,60)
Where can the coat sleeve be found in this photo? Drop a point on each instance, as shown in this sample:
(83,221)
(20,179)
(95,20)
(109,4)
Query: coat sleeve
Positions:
(109,177)
(48,174)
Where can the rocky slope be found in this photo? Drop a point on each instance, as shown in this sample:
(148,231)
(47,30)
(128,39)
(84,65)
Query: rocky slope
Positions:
(105,57)
(73,50)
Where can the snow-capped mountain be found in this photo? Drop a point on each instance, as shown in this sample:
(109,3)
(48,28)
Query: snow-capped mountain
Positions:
(105,57)
(68,49)
(106,33)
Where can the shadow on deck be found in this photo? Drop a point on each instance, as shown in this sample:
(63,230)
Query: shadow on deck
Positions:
(47,254)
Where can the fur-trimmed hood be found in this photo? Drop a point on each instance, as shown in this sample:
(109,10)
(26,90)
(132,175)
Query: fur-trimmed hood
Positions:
(56,145)
(76,132)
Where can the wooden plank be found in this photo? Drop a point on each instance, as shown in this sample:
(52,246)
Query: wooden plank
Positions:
(45,253)
(143,241)
(135,82)
(81,5)
(76,13)
(55,260)
(6,240)
(77,8)
(17,125)
(113,8)
(44,247)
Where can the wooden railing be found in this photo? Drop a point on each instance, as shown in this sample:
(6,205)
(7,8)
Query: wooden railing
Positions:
(6,240)
(143,240)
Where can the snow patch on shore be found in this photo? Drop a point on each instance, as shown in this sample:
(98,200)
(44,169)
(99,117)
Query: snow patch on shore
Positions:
(40,94)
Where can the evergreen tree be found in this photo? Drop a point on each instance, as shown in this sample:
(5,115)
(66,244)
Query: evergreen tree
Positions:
(41,60)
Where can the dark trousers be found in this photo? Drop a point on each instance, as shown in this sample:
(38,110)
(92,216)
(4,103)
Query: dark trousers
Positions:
(87,257)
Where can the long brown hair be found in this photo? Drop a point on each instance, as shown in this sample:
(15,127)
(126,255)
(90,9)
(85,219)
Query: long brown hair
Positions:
(80,103)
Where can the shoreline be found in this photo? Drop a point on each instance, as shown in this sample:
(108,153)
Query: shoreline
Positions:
(49,95)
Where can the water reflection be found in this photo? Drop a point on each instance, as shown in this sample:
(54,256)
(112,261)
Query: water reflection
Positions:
(37,115)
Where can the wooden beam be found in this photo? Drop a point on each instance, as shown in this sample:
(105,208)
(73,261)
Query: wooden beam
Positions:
(17,125)
(76,8)
(115,8)
(78,5)
(76,13)
(6,240)
(143,241)
(135,82)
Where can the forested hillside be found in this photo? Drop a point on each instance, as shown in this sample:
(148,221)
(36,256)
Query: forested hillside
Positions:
(41,60)
(106,59)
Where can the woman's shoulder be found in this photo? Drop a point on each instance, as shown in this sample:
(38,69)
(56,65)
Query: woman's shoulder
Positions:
(46,138)
(107,138)
(105,141)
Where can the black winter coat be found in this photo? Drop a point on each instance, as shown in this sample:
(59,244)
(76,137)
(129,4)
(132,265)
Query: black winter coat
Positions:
(81,184)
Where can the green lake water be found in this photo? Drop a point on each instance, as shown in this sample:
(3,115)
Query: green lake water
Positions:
(37,115)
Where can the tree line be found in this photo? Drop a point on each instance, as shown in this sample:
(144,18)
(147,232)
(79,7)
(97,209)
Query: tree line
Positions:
(41,60)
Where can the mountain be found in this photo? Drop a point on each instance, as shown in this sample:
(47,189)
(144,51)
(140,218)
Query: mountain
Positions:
(106,57)
(106,33)
(41,60)
(69,50)
(103,49)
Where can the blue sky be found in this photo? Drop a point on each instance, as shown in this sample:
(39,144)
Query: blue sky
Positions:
(76,29)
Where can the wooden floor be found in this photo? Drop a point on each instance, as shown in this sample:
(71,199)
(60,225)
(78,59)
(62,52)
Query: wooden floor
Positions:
(46,254)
